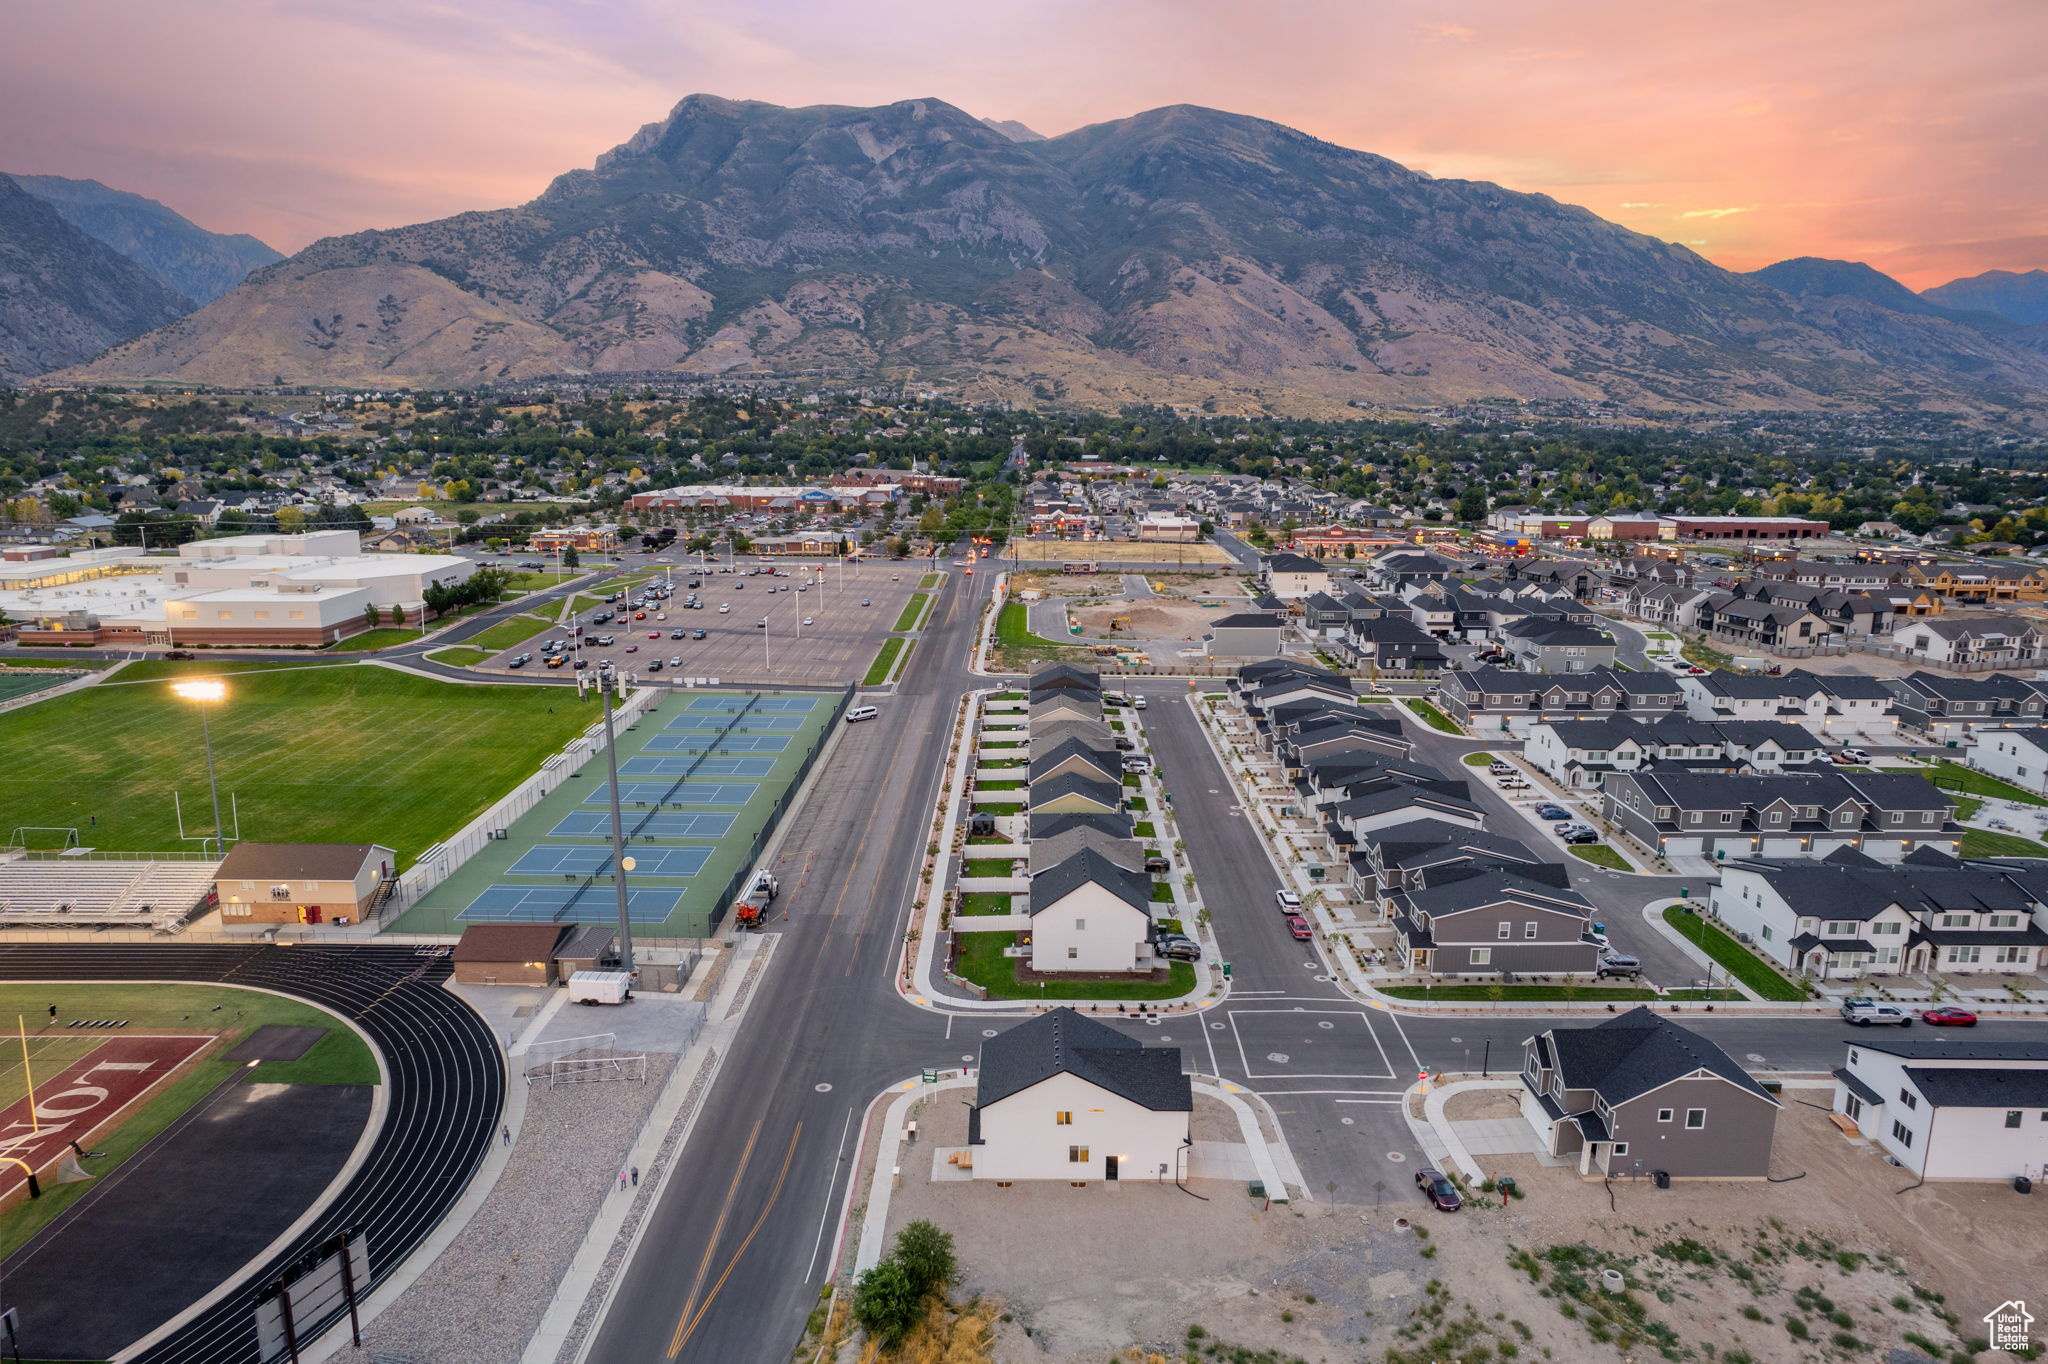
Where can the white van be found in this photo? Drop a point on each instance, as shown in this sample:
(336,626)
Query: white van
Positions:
(862,713)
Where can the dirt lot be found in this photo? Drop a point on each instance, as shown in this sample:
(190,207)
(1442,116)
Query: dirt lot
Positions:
(1831,1266)
(1115,551)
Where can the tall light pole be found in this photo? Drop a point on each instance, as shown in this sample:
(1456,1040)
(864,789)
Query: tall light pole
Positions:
(204,691)
(621,864)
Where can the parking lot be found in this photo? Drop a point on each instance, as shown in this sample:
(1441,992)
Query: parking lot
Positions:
(834,648)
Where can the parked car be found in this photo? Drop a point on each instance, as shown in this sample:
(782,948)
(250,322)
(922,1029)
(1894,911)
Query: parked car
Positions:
(1864,1012)
(696,634)
(1439,1191)
(518,662)
(581,664)
(1856,755)
(1298,926)
(1549,811)
(807,620)
(1178,947)
(676,662)
(1137,702)
(724,607)
(654,665)
(605,641)
(1619,964)
(1513,783)
(1500,769)
(1289,902)
(863,601)
(679,633)
(1580,835)
(1948,1016)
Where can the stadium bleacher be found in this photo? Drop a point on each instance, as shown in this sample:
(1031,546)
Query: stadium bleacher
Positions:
(78,892)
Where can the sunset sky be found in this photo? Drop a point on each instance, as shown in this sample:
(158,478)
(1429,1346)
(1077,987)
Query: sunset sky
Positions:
(1908,135)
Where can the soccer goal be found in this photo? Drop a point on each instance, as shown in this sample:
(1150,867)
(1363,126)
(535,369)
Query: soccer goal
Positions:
(585,1069)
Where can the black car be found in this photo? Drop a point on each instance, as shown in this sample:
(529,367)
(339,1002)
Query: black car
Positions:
(1441,1193)
(1124,745)
(518,662)
(654,665)
(1178,947)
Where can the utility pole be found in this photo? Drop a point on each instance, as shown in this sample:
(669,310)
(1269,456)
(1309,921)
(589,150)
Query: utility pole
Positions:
(611,760)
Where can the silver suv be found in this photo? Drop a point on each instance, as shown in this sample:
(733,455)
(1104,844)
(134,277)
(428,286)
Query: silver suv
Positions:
(1619,964)
(1864,1012)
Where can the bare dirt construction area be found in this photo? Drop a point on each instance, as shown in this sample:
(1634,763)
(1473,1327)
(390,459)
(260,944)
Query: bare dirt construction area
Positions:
(1194,555)
(1151,618)
(1833,1266)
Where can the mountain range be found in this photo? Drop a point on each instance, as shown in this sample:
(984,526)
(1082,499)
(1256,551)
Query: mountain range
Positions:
(1182,255)
(199,264)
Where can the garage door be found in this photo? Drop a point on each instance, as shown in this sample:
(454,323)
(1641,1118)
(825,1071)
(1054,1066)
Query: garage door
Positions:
(1781,847)
(1735,847)
(1681,847)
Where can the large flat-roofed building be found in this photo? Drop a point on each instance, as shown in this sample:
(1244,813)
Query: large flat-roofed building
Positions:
(244,589)
(767,497)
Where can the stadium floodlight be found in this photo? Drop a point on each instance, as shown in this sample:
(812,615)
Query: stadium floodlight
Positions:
(205,691)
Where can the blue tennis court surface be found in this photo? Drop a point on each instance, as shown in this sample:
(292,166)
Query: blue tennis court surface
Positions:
(688,793)
(546,904)
(702,743)
(581,859)
(762,705)
(676,764)
(755,722)
(644,824)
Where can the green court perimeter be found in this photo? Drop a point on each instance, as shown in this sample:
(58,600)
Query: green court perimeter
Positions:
(335,753)
(770,746)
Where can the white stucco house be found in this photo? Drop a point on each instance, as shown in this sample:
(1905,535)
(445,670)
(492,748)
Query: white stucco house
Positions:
(1089,914)
(2019,756)
(1949,1109)
(1066,1097)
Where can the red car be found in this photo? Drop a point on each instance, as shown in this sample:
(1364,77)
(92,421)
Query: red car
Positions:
(1948,1016)
(1441,1193)
(654,634)
(1298,926)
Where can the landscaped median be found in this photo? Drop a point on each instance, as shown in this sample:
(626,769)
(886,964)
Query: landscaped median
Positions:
(1731,956)
(913,612)
(506,633)
(884,667)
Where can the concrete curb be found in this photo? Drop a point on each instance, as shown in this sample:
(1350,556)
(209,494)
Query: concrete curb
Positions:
(1450,1145)
(1255,1137)
(1655,919)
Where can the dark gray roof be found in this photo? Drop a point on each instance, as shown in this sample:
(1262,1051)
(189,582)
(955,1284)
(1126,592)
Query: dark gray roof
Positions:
(1493,886)
(1969,1087)
(1857,1087)
(1055,883)
(1293,563)
(1069,676)
(1639,1051)
(1245,620)
(1101,756)
(1063,1042)
(1116,823)
(1109,793)
(1951,1048)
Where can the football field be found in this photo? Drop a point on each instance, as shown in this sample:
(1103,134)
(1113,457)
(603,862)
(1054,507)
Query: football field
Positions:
(336,753)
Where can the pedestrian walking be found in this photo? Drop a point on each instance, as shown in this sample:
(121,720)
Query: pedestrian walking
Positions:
(636,1176)
(622,1179)
(507,1134)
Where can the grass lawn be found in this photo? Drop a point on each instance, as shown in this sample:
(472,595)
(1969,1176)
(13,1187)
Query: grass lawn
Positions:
(321,754)
(1162,892)
(461,656)
(342,1057)
(89,665)
(885,662)
(1955,777)
(383,638)
(984,902)
(999,786)
(1504,993)
(998,807)
(26,684)
(986,866)
(1966,806)
(1144,829)
(1989,843)
(530,581)
(1013,630)
(1659,634)
(1137,803)
(982,961)
(1600,855)
(1741,963)
(1131,781)
(506,633)
(928,582)
(1478,759)
(1431,716)
(913,610)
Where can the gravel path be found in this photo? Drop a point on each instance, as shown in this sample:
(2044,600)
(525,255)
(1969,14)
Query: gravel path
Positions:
(481,1300)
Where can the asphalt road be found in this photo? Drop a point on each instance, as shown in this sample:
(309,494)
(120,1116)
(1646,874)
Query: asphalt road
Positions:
(735,1251)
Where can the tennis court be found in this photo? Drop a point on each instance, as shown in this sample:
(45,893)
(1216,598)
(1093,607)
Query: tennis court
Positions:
(674,793)
(744,752)
(646,824)
(500,904)
(707,740)
(754,723)
(584,859)
(702,764)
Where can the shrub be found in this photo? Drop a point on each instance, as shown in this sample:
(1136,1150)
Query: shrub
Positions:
(886,1301)
(926,1254)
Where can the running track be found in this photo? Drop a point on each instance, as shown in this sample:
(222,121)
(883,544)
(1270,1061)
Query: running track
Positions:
(445,1081)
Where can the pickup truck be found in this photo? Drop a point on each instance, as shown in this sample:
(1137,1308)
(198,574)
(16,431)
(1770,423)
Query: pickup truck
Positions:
(1864,1012)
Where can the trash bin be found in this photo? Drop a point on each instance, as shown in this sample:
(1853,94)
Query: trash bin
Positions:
(1663,1178)
(2021,1184)
(1506,1185)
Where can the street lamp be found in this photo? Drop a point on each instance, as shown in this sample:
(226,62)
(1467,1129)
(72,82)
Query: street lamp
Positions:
(204,691)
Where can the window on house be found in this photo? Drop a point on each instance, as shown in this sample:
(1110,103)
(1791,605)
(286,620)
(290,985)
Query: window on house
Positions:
(2003,921)
(1077,1155)
(1909,1098)
(1073,954)
(1621,1148)
(1482,956)
(1504,930)
(1777,816)
(1902,1134)
(1529,929)
(1063,1118)
(1666,1114)
(1765,933)
(1080,925)
(2012,1117)
(1695,1118)
(1965,956)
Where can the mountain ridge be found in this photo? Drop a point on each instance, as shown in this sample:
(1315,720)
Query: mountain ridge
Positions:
(1181,255)
(183,256)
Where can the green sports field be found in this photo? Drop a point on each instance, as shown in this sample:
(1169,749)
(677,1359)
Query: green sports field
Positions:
(341,753)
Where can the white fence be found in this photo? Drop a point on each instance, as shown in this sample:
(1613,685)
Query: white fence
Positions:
(440,862)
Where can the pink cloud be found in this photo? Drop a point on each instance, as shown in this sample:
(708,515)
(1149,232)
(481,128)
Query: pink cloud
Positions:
(1888,131)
